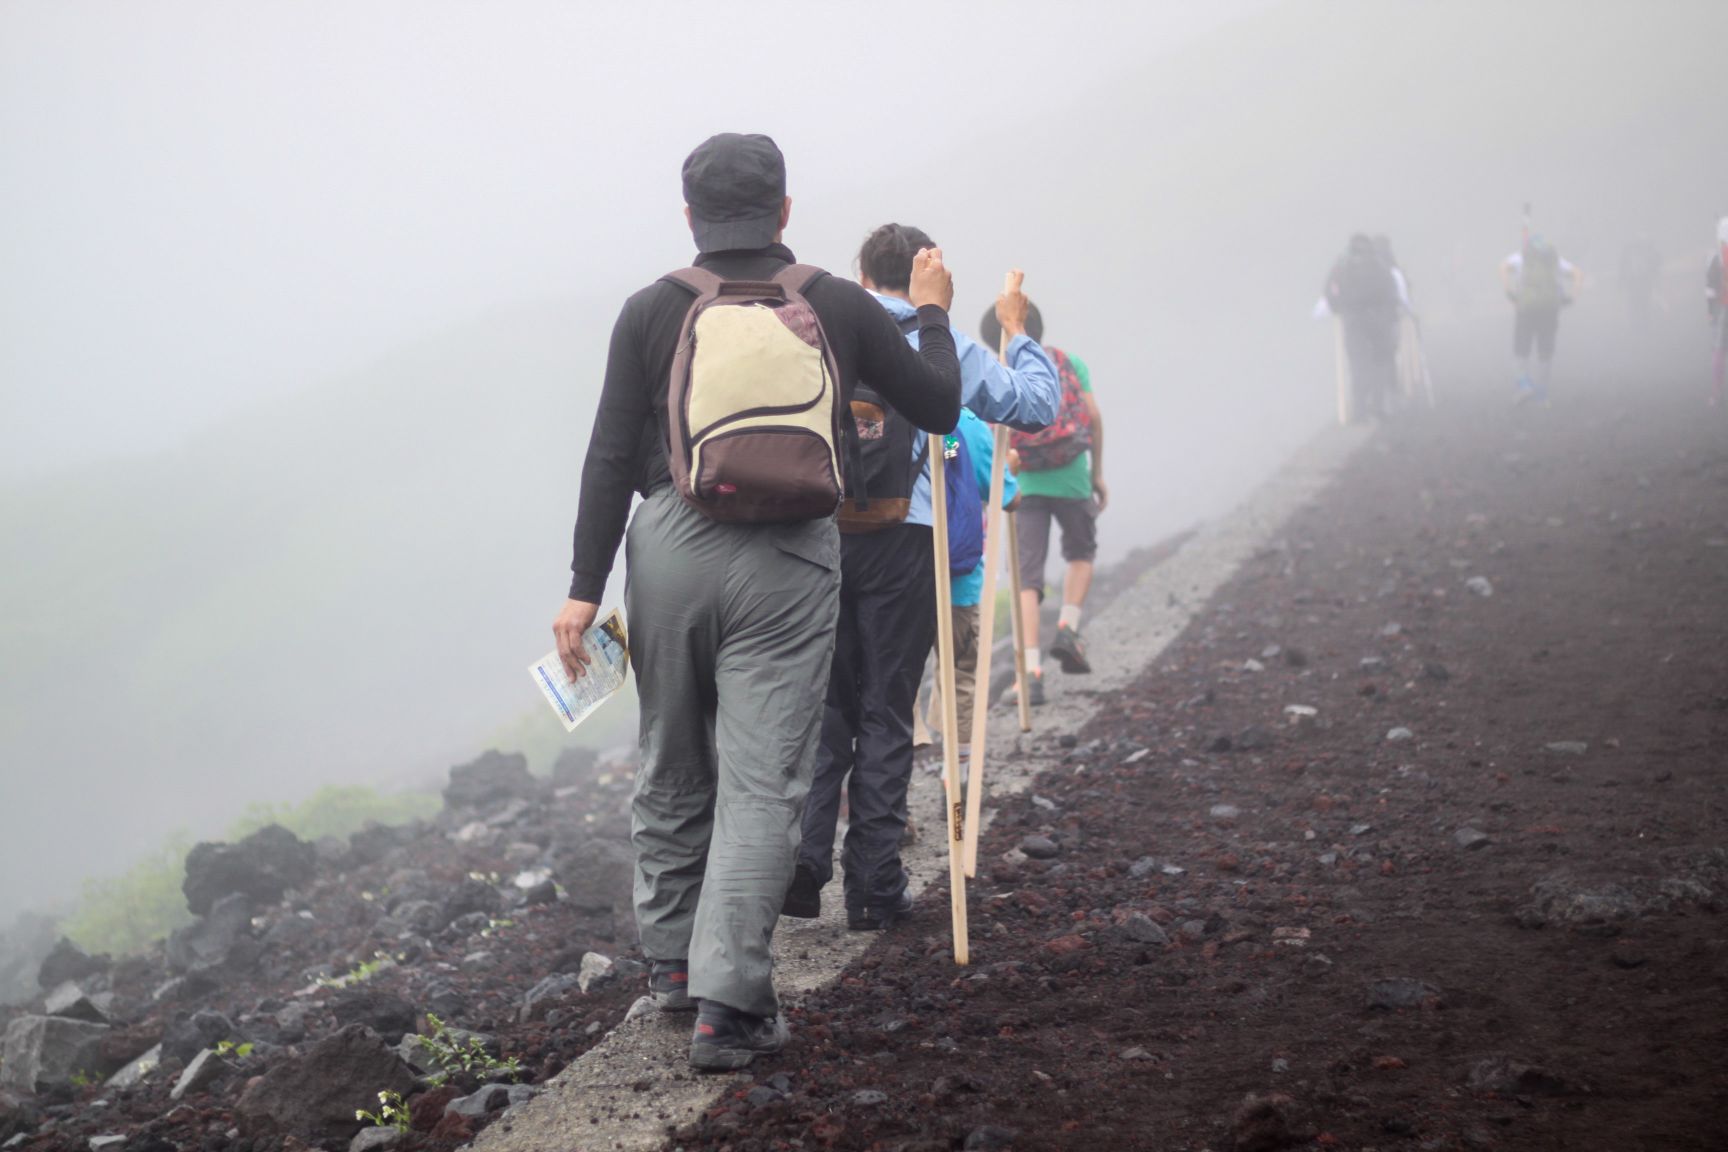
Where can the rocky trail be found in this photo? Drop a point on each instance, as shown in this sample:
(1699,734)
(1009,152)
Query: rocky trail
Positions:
(1393,819)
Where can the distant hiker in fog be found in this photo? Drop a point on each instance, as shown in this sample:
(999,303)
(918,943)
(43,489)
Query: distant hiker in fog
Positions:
(733,582)
(1640,271)
(1061,475)
(888,597)
(1718,310)
(1363,291)
(1539,282)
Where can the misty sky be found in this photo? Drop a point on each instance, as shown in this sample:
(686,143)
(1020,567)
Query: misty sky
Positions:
(204,204)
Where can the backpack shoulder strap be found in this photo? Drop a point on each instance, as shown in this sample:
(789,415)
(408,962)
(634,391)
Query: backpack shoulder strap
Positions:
(697,280)
(798,277)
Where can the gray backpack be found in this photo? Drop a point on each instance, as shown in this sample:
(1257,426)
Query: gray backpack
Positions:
(754,415)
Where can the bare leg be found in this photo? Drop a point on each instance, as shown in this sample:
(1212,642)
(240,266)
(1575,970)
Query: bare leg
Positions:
(1075,585)
(1028,618)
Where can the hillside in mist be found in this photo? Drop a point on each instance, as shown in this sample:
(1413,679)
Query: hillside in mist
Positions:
(348,583)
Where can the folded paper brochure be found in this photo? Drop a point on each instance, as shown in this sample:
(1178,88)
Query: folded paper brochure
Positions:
(575,700)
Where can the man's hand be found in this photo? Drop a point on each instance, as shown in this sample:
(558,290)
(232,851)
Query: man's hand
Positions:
(1100,493)
(1012,306)
(1014,463)
(931,281)
(574,620)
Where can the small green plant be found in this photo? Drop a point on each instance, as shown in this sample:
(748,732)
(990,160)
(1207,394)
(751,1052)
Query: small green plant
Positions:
(362,973)
(463,1055)
(229,1048)
(392,1113)
(82,1079)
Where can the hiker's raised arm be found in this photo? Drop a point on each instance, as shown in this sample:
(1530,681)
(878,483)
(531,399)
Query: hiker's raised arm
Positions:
(923,385)
(615,446)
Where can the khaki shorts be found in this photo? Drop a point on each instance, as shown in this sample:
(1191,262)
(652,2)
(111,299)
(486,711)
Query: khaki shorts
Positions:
(1078,520)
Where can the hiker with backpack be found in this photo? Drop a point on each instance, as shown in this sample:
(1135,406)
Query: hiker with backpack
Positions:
(1539,283)
(725,404)
(1060,471)
(888,593)
(1362,290)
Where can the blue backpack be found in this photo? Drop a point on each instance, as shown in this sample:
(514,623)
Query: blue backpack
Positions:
(965,506)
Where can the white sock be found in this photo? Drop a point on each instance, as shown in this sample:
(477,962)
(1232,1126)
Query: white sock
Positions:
(1033,667)
(1069,617)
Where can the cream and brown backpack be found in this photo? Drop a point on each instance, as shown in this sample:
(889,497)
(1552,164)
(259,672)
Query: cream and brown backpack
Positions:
(754,413)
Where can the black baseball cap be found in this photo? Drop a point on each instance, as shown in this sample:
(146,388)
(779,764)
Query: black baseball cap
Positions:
(735,186)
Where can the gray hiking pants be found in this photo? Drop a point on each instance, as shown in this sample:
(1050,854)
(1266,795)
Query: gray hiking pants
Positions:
(731,635)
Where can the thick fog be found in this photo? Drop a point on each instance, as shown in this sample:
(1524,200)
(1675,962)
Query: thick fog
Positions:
(303,307)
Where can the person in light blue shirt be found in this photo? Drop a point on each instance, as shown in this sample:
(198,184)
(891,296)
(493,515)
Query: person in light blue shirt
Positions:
(888,621)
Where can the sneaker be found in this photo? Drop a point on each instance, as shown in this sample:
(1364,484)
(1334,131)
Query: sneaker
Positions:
(727,1039)
(804,899)
(876,918)
(1070,650)
(669,985)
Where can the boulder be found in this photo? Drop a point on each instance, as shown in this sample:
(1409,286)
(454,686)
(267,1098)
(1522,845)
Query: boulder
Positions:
(598,876)
(72,1002)
(263,867)
(493,780)
(314,1097)
(543,995)
(41,1052)
(222,939)
(375,841)
(134,1073)
(596,970)
(388,1015)
(376,1140)
(205,1071)
(189,1035)
(66,962)
(470,897)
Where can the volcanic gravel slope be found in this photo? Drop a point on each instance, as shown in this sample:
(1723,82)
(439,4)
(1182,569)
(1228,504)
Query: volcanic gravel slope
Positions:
(1469,901)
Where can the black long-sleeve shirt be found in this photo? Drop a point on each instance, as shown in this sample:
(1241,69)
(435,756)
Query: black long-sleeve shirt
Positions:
(627,449)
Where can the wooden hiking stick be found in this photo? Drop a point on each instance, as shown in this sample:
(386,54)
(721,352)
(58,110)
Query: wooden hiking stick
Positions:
(945,684)
(987,615)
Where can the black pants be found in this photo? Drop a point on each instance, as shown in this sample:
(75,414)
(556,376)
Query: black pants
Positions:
(1371,342)
(887,626)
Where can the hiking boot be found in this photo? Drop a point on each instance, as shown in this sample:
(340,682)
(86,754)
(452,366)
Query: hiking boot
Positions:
(1034,691)
(876,917)
(727,1039)
(669,985)
(804,898)
(1070,650)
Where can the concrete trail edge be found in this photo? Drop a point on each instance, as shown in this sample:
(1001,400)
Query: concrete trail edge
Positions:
(627,1091)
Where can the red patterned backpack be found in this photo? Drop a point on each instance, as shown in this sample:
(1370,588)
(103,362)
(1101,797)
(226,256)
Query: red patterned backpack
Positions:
(1071,432)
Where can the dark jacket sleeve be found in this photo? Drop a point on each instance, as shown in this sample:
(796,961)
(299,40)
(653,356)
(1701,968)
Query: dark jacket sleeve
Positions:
(923,384)
(608,474)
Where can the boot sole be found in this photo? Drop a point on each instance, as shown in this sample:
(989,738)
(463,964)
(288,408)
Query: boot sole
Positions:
(674,1002)
(1072,662)
(716,1058)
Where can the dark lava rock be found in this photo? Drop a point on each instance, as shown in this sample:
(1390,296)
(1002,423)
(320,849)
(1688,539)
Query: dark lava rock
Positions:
(206,1071)
(1627,956)
(375,841)
(1263,1124)
(491,781)
(990,1139)
(1387,995)
(189,1035)
(220,939)
(545,892)
(490,1098)
(314,1097)
(1142,929)
(263,866)
(1470,839)
(543,995)
(472,896)
(388,1015)
(69,962)
(40,1053)
(599,875)
(72,1002)
(1040,847)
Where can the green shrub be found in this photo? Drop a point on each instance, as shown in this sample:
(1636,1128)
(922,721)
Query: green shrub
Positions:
(337,810)
(129,913)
